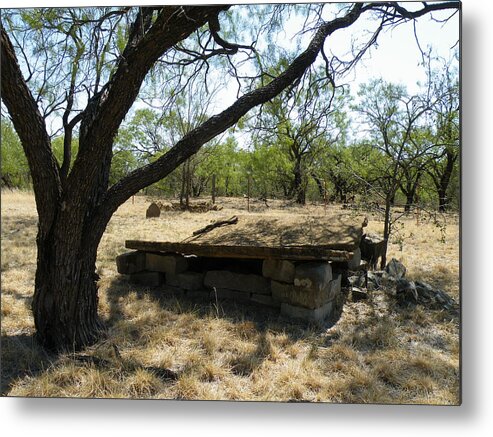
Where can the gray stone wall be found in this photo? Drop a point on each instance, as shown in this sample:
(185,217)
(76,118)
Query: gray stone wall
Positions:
(307,291)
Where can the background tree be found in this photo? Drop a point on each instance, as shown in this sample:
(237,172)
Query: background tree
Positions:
(301,125)
(444,131)
(394,121)
(85,68)
(15,170)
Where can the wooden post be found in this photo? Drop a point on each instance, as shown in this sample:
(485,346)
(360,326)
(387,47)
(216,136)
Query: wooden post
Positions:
(188,183)
(248,194)
(325,196)
(213,188)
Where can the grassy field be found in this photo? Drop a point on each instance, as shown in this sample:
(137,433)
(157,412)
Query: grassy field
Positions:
(377,352)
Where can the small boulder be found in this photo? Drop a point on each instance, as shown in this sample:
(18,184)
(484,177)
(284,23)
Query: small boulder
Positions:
(373,281)
(358,294)
(396,269)
(406,291)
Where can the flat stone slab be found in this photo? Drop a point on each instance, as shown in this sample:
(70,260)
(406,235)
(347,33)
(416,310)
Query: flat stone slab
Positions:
(265,300)
(171,264)
(307,298)
(237,281)
(224,293)
(262,236)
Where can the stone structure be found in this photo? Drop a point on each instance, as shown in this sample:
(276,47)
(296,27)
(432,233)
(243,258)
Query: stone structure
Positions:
(270,268)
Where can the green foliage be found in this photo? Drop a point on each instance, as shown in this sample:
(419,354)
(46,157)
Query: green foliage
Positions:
(57,147)
(15,170)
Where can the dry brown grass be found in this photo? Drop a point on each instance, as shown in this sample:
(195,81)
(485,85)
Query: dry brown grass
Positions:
(377,352)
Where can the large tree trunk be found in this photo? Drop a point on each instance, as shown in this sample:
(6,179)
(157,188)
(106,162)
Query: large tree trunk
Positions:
(409,201)
(442,199)
(65,298)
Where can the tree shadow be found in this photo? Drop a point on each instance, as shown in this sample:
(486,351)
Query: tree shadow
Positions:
(21,356)
(260,320)
(25,299)
(12,226)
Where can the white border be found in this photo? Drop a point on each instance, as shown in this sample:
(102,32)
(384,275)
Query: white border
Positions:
(153,418)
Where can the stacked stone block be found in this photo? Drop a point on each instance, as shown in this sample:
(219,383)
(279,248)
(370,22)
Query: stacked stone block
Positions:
(302,290)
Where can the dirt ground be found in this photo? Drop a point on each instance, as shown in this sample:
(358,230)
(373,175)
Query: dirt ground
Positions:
(163,347)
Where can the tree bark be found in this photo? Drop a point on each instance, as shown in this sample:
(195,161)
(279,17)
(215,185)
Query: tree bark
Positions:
(320,186)
(444,181)
(299,190)
(65,300)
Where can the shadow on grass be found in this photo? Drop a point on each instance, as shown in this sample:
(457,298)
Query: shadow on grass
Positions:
(21,356)
(247,319)
(25,299)
(12,227)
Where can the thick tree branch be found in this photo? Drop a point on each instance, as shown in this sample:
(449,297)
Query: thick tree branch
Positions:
(107,109)
(231,48)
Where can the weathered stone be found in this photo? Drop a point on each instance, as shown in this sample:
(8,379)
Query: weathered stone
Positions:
(406,291)
(186,280)
(313,276)
(266,300)
(171,290)
(334,287)
(130,262)
(153,211)
(395,268)
(152,279)
(354,263)
(372,283)
(224,293)
(305,297)
(318,315)
(237,281)
(387,280)
(171,264)
(198,294)
(279,270)
(357,280)
(425,290)
(358,294)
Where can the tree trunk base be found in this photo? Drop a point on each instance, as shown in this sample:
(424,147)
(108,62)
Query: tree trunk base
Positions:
(65,304)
